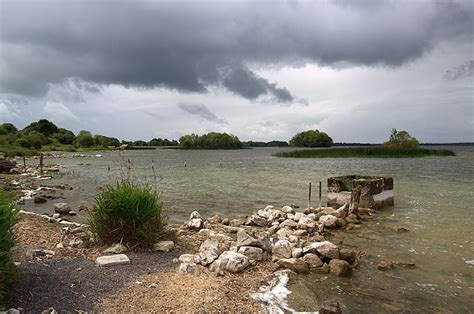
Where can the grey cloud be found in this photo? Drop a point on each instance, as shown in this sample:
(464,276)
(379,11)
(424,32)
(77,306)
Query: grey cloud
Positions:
(182,46)
(461,71)
(240,80)
(202,111)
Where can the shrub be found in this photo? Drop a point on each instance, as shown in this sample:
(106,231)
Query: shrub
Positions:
(8,218)
(401,139)
(311,138)
(127,213)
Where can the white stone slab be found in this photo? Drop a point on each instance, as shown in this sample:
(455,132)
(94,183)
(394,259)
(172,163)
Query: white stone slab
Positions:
(111,260)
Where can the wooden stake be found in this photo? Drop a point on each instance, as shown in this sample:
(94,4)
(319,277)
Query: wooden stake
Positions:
(309,196)
(41,163)
(24,162)
(320,194)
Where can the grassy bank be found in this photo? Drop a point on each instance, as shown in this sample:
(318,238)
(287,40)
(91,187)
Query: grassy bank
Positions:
(366,152)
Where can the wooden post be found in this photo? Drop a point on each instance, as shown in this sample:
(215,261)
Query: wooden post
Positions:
(41,163)
(24,162)
(220,162)
(320,194)
(309,196)
(185,164)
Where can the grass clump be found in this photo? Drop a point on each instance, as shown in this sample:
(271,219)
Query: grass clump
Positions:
(127,213)
(8,218)
(366,152)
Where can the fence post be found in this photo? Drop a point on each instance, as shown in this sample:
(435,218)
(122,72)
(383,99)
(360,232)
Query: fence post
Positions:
(309,196)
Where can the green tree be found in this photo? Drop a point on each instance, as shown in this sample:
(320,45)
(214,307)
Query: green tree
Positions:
(401,139)
(311,138)
(64,136)
(212,140)
(42,126)
(32,139)
(84,139)
(7,128)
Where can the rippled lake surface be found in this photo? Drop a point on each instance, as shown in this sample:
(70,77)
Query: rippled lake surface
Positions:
(433,200)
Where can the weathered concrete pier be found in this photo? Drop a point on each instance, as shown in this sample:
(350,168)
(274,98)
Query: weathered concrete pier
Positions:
(376,192)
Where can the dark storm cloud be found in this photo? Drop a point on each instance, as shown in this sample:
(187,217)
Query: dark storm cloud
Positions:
(187,45)
(243,82)
(461,71)
(202,111)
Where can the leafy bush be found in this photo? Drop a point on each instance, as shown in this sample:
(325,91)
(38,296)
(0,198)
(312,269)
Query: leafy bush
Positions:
(127,213)
(311,138)
(8,218)
(84,139)
(401,139)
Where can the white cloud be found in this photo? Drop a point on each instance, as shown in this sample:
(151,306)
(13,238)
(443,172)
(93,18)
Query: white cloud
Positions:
(58,112)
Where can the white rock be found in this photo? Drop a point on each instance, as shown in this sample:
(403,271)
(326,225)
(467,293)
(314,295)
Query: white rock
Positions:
(288,210)
(163,246)
(56,216)
(298,216)
(323,249)
(297,252)
(194,215)
(62,208)
(195,223)
(244,239)
(288,223)
(187,258)
(188,268)
(253,253)
(230,262)
(282,249)
(111,260)
(306,223)
(329,221)
(208,251)
(117,248)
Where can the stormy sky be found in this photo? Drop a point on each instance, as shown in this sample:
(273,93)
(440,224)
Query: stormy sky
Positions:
(261,70)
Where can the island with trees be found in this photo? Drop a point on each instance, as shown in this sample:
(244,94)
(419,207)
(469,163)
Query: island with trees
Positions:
(400,145)
(212,140)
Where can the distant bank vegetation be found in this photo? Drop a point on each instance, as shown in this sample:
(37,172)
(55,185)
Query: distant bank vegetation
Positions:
(213,140)
(400,145)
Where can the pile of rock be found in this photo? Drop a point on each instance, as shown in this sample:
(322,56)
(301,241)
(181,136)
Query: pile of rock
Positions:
(291,239)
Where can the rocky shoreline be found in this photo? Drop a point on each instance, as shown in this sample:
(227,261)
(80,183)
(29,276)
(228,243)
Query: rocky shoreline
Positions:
(277,241)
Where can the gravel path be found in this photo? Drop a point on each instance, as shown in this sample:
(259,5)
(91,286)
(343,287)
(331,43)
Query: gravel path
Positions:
(75,284)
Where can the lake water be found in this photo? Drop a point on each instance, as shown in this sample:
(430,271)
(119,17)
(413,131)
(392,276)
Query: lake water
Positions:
(433,200)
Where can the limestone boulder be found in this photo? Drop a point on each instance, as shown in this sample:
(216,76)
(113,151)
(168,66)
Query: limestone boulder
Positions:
(288,210)
(329,221)
(254,254)
(348,255)
(289,223)
(116,248)
(230,261)
(282,249)
(295,264)
(188,268)
(306,223)
(256,220)
(112,260)
(323,249)
(208,251)
(62,208)
(244,239)
(340,268)
(163,246)
(313,260)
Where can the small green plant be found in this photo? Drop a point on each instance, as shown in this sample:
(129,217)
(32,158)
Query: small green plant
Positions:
(346,184)
(128,213)
(8,218)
